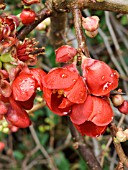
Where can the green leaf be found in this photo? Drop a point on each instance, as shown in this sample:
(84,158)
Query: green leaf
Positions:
(7,57)
(61,162)
(18,155)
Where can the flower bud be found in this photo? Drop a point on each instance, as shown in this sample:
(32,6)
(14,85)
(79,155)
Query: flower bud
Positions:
(117,100)
(27,16)
(65,53)
(90,24)
(91,34)
(121,136)
(126,133)
(124,107)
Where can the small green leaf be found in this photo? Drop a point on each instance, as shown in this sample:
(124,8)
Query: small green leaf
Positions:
(7,57)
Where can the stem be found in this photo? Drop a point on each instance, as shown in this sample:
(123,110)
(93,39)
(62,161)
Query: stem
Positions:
(79,32)
(118,146)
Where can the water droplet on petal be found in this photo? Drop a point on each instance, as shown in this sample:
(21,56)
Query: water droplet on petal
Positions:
(65,113)
(64,75)
(103,77)
(74,80)
(107,85)
(112,75)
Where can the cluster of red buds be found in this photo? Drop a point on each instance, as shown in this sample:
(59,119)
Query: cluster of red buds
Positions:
(85,99)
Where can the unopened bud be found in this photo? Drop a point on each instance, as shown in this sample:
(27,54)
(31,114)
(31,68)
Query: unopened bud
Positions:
(126,133)
(117,100)
(65,53)
(121,136)
(90,24)
(124,107)
(91,34)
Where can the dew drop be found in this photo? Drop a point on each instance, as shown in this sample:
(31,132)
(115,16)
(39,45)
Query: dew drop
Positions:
(74,80)
(64,76)
(65,113)
(112,75)
(107,85)
(103,77)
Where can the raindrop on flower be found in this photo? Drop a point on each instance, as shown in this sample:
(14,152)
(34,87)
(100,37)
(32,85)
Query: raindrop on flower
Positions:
(64,76)
(103,77)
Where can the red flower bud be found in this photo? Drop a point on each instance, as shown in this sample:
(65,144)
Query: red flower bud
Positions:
(90,23)
(124,107)
(27,16)
(17,116)
(65,53)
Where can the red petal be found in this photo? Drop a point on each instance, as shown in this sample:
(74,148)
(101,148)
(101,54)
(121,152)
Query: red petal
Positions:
(23,87)
(60,78)
(17,116)
(102,113)
(78,92)
(38,75)
(100,78)
(124,107)
(27,105)
(90,129)
(81,112)
(52,101)
(65,103)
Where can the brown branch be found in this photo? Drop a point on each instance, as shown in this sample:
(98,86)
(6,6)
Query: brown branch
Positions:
(118,146)
(83,149)
(25,30)
(79,33)
(108,5)
(57,29)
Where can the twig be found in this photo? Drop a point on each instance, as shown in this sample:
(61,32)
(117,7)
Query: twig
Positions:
(42,149)
(118,146)
(79,33)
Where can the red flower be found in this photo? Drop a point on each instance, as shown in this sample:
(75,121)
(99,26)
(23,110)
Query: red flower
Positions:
(25,50)
(92,117)
(16,115)
(63,88)
(100,78)
(27,16)
(65,53)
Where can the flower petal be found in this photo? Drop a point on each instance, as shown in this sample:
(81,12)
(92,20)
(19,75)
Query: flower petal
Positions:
(81,112)
(100,78)
(17,116)
(23,87)
(102,113)
(90,129)
(78,93)
(60,78)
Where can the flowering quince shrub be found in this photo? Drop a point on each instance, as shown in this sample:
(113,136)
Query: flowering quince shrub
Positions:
(80,89)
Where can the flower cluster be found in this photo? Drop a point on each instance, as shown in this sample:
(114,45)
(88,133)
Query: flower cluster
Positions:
(18,83)
(84,98)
